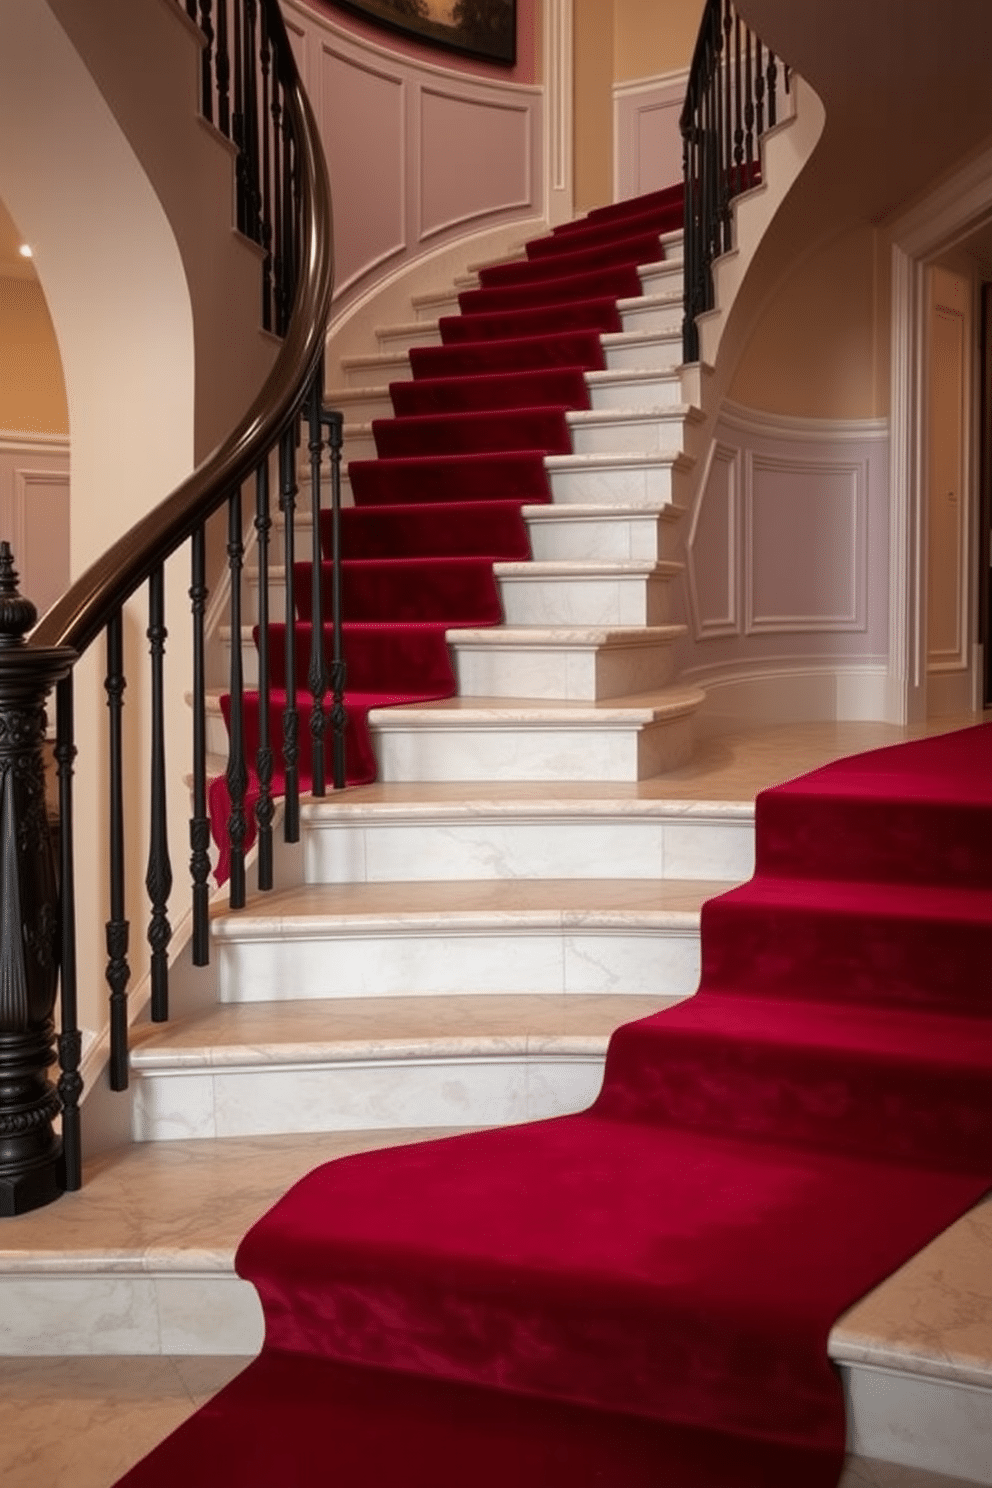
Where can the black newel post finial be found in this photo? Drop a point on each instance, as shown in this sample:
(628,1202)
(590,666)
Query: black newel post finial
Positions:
(31,1161)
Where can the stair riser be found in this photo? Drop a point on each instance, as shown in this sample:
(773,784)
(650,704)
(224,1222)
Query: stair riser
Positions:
(657,392)
(509,958)
(558,536)
(586,601)
(372,372)
(497,848)
(648,317)
(561,674)
(432,752)
(648,433)
(599,484)
(117,1312)
(662,353)
(429,308)
(362,1096)
(397,339)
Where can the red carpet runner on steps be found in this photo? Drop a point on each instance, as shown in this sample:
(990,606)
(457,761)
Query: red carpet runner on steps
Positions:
(642,1294)
(465,452)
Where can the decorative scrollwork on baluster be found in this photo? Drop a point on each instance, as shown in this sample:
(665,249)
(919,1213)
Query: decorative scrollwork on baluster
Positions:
(70,1043)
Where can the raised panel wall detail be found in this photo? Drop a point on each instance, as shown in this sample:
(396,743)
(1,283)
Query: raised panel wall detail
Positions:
(647,141)
(804,546)
(34,514)
(475,158)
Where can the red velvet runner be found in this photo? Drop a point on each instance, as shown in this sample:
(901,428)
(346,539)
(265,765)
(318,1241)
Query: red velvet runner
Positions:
(643,1292)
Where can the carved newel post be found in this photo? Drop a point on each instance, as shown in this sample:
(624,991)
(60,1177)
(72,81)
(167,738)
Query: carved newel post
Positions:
(30,1149)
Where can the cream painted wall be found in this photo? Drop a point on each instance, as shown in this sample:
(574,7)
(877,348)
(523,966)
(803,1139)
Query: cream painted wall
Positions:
(619,41)
(816,350)
(114,281)
(32,387)
(653,36)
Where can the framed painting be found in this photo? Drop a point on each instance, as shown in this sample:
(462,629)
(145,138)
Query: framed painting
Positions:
(486,29)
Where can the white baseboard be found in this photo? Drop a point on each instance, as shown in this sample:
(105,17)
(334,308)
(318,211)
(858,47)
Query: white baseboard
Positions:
(796,693)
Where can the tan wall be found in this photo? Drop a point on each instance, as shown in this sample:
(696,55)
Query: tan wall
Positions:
(619,41)
(653,36)
(820,349)
(32,388)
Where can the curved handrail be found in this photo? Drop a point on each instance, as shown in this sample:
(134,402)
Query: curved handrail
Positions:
(86,608)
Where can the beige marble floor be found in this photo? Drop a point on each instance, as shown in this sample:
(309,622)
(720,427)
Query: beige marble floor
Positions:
(81,1423)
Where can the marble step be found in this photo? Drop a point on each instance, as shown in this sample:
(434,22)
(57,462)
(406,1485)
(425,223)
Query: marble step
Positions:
(358,1064)
(603,533)
(586,591)
(646,480)
(652,312)
(637,388)
(376,368)
(588,663)
(141,1263)
(386,833)
(396,339)
(615,430)
(646,350)
(480,739)
(436,939)
(663,277)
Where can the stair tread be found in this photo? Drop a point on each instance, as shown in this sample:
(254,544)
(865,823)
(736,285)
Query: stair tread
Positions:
(637,708)
(351,1029)
(495,636)
(536,903)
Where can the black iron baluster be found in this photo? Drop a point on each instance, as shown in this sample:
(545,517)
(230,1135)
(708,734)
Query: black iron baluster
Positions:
(278,220)
(207,61)
(118,970)
(223,68)
(265,125)
(738,110)
(759,91)
(238,122)
(264,807)
(237,770)
(334,424)
(317,674)
(251,122)
(748,107)
(199,826)
(771,74)
(191,9)
(290,716)
(70,1043)
(158,877)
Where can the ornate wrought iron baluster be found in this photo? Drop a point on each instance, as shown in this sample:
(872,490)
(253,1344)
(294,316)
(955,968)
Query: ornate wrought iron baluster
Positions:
(207,61)
(738,110)
(237,770)
(70,1043)
(238,121)
(748,106)
(158,876)
(290,716)
(264,808)
(317,673)
(199,826)
(265,125)
(118,970)
(278,215)
(251,121)
(223,71)
(759,90)
(334,424)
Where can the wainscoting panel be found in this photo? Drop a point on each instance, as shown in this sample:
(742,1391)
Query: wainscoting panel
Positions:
(417,152)
(34,512)
(804,545)
(647,142)
(787,569)
(475,159)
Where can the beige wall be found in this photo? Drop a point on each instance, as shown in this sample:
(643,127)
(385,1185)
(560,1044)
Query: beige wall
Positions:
(32,388)
(653,36)
(618,41)
(820,348)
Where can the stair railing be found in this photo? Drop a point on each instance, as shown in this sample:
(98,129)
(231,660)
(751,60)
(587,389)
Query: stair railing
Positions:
(251,90)
(731,100)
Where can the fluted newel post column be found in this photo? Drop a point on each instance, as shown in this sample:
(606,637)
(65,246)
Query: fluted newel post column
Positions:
(31,1169)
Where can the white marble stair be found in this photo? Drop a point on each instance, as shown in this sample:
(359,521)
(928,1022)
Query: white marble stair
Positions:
(362,1064)
(589,663)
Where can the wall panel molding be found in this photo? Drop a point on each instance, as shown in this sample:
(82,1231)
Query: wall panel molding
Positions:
(647,143)
(713,548)
(34,511)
